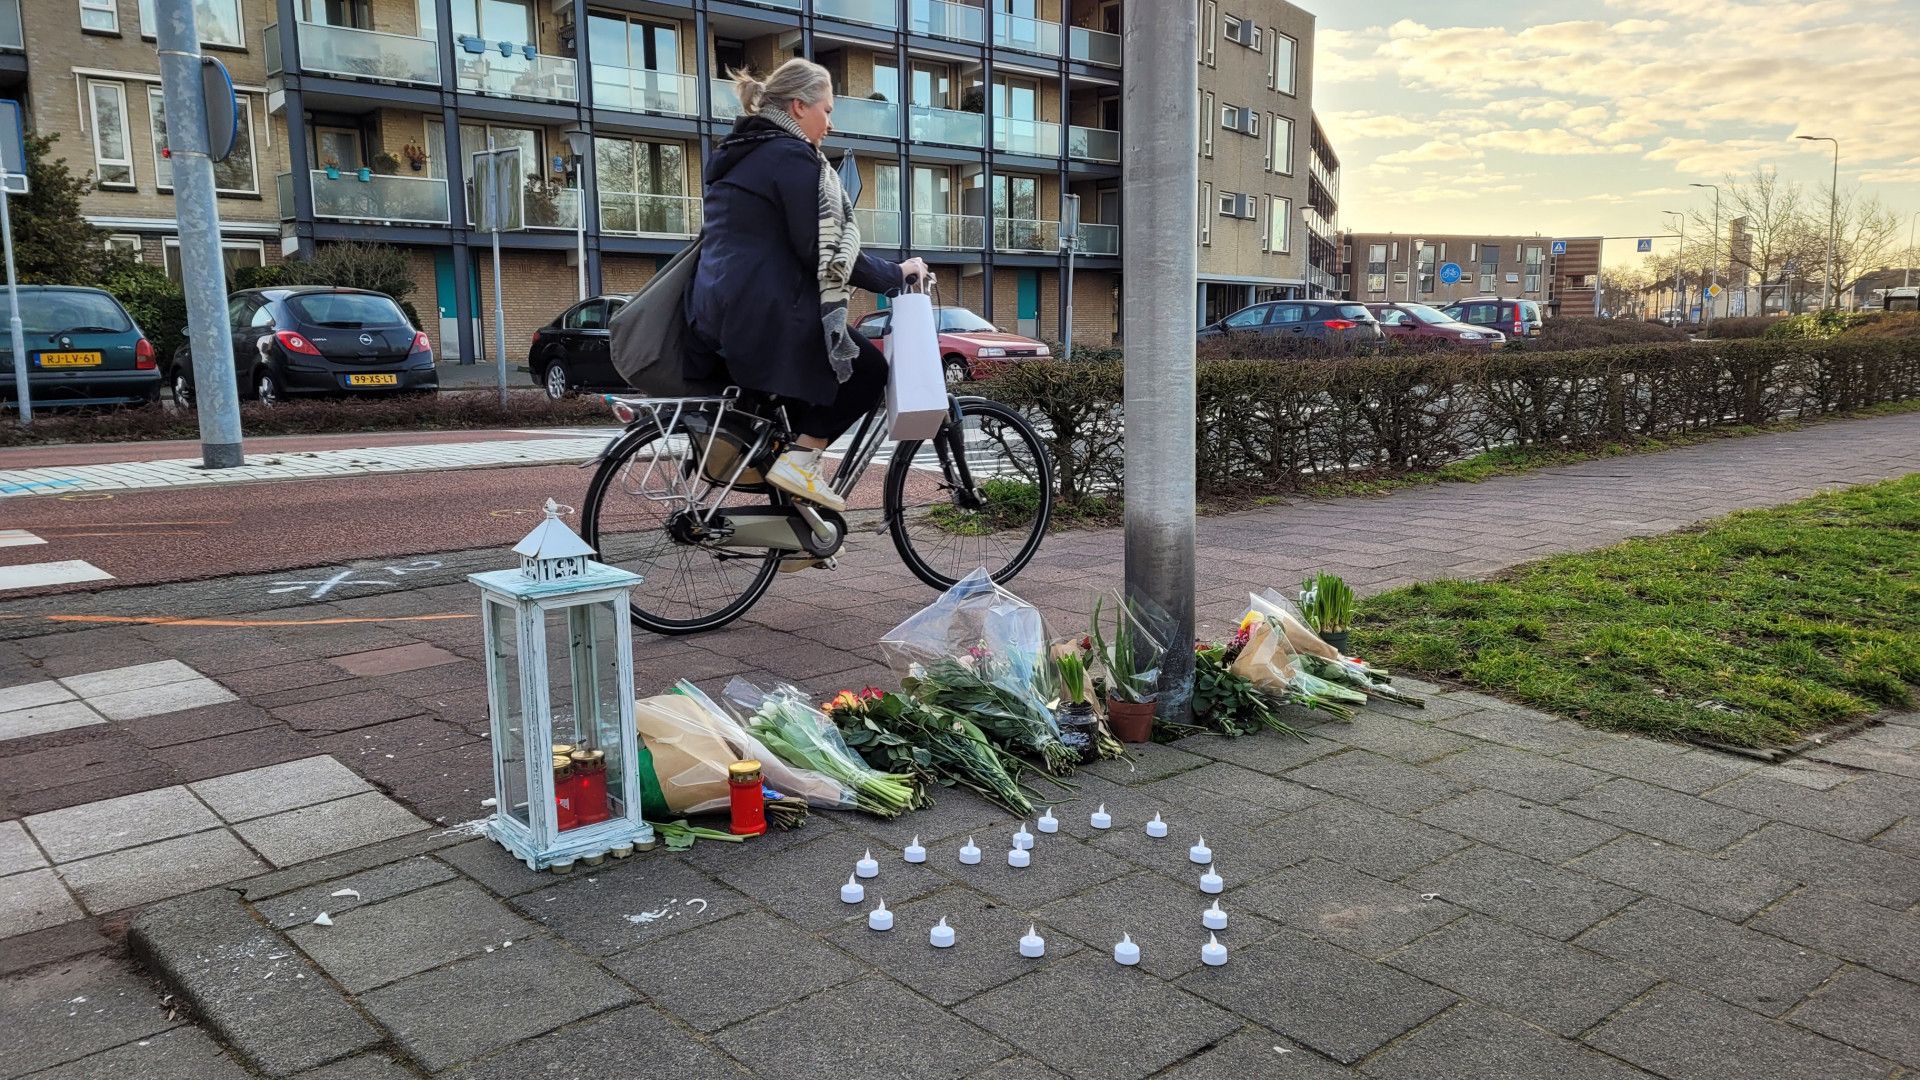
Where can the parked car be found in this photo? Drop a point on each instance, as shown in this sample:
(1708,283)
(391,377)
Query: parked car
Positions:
(965,340)
(82,349)
(1335,325)
(574,351)
(1514,318)
(1423,324)
(313,340)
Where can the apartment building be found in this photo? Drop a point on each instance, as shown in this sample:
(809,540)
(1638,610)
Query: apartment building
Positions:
(1414,267)
(967,123)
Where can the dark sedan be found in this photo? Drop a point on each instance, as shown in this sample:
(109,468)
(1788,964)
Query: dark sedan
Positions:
(1420,325)
(573,352)
(82,349)
(1330,325)
(308,341)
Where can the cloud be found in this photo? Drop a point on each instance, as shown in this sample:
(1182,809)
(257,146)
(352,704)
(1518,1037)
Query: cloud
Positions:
(1431,150)
(1550,141)
(1350,126)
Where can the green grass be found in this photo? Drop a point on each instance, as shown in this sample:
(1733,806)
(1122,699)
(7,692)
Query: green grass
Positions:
(1754,630)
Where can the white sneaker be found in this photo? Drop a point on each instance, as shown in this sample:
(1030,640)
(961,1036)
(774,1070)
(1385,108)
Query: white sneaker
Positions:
(797,472)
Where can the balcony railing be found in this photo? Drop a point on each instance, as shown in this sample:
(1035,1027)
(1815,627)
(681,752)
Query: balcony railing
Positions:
(400,200)
(1036,138)
(369,54)
(783,5)
(1098,239)
(949,232)
(542,207)
(948,126)
(871,12)
(880,228)
(541,78)
(1322,280)
(862,116)
(1026,35)
(724,104)
(283,187)
(629,213)
(1093,46)
(1026,234)
(270,48)
(941,19)
(1093,144)
(10,34)
(645,90)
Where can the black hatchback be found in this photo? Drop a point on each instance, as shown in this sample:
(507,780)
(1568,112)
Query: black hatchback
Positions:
(314,340)
(1331,325)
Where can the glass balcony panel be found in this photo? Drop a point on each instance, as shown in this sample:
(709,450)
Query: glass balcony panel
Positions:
(1026,35)
(407,200)
(630,213)
(939,18)
(10,34)
(1098,239)
(947,126)
(369,54)
(879,228)
(725,103)
(1093,144)
(1093,46)
(551,207)
(949,232)
(1026,234)
(1036,138)
(863,116)
(644,90)
(870,12)
(283,187)
(271,51)
(783,5)
(543,78)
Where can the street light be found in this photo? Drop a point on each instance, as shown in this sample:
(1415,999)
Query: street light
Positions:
(1911,250)
(1833,215)
(1713,267)
(580,144)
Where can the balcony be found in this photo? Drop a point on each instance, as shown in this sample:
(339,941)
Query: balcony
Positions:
(542,207)
(1026,235)
(1322,280)
(645,90)
(869,12)
(1034,138)
(1026,35)
(394,200)
(1093,144)
(949,232)
(515,74)
(283,187)
(949,127)
(1098,239)
(723,103)
(626,213)
(937,18)
(1093,46)
(367,54)
(863,116)
(881,228)
(10,35)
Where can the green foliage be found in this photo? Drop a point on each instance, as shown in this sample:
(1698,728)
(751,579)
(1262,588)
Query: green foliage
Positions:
(1226,703)
(53,243)
(1817,325)
(379,267)
(153,299)
(1327,602)
(1130,657)
(1073,677)
(1757,630)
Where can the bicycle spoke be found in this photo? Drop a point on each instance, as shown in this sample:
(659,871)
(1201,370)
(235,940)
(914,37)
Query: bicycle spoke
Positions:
(995,522)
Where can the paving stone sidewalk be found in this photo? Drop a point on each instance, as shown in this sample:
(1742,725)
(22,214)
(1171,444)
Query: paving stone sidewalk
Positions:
(1469,890)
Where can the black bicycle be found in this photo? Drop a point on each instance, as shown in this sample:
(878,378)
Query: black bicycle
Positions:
(681,499)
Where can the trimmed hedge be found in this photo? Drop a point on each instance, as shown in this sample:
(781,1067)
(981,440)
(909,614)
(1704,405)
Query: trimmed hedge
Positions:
(1275,425)
(1577,332)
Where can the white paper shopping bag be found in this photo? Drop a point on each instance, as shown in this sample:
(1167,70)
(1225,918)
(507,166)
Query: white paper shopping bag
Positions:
(916,387)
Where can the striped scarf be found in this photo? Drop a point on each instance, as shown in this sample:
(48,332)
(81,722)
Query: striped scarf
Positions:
(839,247)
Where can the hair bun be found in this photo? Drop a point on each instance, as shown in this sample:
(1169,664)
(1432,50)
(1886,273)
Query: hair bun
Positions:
(748,89)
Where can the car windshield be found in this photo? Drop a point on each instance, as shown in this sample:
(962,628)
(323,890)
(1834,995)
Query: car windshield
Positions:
(960,320)
(1430,316)
(347,311)
(61,311)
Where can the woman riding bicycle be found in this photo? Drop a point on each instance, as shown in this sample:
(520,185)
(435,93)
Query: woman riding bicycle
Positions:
(779,258)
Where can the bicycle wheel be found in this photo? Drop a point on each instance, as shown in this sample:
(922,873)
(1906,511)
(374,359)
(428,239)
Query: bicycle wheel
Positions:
(948,521)
(638,518)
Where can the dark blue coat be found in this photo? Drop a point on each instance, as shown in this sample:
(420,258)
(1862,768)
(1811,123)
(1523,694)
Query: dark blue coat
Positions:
(755,298)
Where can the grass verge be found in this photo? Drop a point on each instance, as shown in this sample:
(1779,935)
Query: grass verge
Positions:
(1755,630)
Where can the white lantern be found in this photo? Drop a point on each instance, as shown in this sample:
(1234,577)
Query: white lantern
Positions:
(560,688)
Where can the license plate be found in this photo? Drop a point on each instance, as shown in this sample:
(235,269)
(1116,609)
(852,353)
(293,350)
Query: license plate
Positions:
(69,359)
(373,380)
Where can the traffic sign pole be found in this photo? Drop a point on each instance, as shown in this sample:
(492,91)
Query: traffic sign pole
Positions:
(16,335)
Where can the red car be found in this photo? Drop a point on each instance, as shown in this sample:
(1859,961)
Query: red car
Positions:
(1406,322)
(969,344)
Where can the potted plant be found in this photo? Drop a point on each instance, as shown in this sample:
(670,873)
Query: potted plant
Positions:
(385,164)
(529,51)
(1132,662)
(1328,605)
(332,165)
(1078,725)
(365,174)
(416,156)
(472,44)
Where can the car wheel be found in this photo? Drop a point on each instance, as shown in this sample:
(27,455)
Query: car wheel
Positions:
(182,388)
(957,371)
(555,382)
(266,389)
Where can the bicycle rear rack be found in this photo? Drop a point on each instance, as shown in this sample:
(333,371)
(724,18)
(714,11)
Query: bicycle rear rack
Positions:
(667,414)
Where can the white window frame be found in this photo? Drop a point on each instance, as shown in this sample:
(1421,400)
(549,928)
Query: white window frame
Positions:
(109,8)
(244,119)
(119,89)
(1213,27)
(172,244)
(1279,211)
(1283,158)
(147,16)
(1283,44)
(1206,215)
(119,241)
(1207,129)
(1229,204)
(154,93)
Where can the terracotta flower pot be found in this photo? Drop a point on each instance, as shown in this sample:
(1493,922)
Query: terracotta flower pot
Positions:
(1131,721)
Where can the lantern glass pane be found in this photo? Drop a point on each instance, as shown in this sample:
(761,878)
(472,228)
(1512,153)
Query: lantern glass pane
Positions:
(583,680)
(509,718)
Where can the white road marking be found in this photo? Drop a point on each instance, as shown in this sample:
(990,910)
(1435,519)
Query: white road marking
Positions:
(38,575)
(18,538)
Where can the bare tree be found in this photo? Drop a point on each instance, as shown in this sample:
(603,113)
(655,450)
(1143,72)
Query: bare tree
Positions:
(1765,219)
(1867,237)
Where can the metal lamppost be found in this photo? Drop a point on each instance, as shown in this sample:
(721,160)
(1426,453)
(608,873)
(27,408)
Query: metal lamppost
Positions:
(1713,265)
(1907,280)
(1829,294)
(580,144)
(1680,296)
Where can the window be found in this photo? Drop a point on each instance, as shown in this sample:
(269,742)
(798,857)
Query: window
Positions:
(234,176)
(1243,32)
(591,315)
(112,149)
(1376,268)
(1213,16)
(1241,119)
(1206,219)
(127,244)
(1289,313)
(218,21)
(1282,135)
(1489,267)
(1532,267)
(643,187)
(1279,224)
(1280,73)
(1247,318)
(1425,265)
(100,16)
(1206,129)
(236,253)
(346,310)
(1236,205)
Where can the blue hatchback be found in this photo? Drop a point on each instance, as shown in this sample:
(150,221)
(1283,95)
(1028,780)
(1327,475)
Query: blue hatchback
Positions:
(82,349)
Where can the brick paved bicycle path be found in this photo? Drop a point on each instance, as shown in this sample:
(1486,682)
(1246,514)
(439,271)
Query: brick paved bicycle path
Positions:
(1471,890)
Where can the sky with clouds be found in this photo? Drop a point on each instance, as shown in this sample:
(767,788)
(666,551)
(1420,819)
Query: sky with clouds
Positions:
(1585,117)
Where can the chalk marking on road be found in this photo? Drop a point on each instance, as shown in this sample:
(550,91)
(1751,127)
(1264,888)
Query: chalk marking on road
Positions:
(345,578)
(87,496)
(171,620)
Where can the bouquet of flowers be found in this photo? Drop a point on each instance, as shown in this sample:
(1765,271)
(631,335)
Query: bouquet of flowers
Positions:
(1316,657)
(687,742)
(1266,660)
(900,734)
(1226,702)
(801,735)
